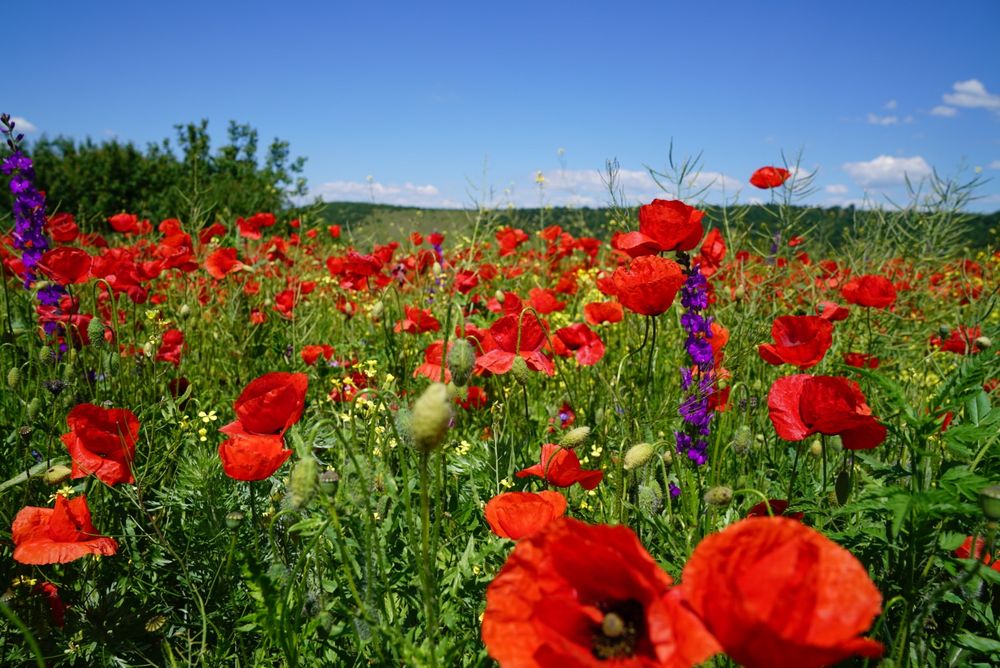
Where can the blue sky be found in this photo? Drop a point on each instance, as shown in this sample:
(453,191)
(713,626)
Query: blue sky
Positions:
(440,102)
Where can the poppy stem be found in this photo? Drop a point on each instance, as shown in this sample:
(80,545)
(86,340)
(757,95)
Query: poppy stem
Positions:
(425,549)
(795,471)
(652,349)
(823,447)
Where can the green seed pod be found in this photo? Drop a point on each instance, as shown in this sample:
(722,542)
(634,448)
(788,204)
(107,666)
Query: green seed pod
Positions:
(404,424)
(378,308)
(45,354)
(57,474)
(650,498)
(742,440)
(944,331)
(431,415)
(13,377)
(461,360)
(638,455)
(574,437)
(989,501)
(234,519)
(328,481)
(519,369)
(302,482)
(184,311)
(95,331)
(34,406)
(816,448)
(720,496)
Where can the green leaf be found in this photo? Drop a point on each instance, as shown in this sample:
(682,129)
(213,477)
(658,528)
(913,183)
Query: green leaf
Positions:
(950,540)
(978,643)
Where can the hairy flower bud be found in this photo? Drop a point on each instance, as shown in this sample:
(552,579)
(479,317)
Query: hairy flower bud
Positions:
(431,415)
(742,440)
(519,369)
(719,496)
(95,331)
(184,311)
(989,501)
(650,498)
(13,377)
(574,437)
(34,406)
(302,482)
(378,308)
(983,342)
(638,455)
(57,474)
(461,360)
(816,448)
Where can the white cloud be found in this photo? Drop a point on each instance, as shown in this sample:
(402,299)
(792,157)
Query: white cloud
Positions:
(407,194)
(22,124)
(886,170)
(942,110)
(891,104)
(994,165)
(972,94)
(875,119)
(836,189)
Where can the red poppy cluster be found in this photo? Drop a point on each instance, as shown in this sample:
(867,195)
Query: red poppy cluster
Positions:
(573,594)
(265,410)
(800,340)
(101,441)
(802,405)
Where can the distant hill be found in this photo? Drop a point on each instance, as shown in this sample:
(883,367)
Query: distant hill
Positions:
(379,223)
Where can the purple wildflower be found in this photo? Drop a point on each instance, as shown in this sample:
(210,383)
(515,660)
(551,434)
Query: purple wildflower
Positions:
(694,407)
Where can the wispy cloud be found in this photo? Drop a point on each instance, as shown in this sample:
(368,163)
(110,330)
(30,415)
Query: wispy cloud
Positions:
(407,194)
(586,187)
(22,124)
(835,189)
(994,165)
(886,170)
(875,119)
(891,104)
(972,94)
(944,111)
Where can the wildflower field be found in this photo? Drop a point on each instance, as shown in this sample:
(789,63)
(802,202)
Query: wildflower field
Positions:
(683,440)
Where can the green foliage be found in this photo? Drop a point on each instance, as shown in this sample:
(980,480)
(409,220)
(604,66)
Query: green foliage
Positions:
(96,180)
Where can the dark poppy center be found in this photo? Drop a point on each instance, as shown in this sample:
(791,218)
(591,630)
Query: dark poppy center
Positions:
(619,632)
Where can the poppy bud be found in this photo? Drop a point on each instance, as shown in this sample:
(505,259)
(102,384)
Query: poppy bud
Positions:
(667,458)
(720,496)
(816,448)
(234,519)
(638,455)
(461,360)
(378,308)
(739,293)
(33,407)
(302,482)
(436,268)
(519,369)
(989,501)
(431,415)
(184,311)
(57,474)
(328,481)
(95,331)
(45,354)
(499,295)
(983,342)
(13,377)
(944,331)
(574,437)
(650,498)
(742,440)
(147,349)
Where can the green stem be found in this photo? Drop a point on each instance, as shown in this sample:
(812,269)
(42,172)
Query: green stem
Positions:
(425,549)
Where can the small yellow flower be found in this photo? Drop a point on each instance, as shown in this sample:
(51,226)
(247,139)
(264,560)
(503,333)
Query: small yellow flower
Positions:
(202,434)
(210,416)
(506,483)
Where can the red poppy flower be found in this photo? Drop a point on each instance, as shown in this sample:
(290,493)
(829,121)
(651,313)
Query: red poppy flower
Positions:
(102,441)
(647,286)
(544,301)
(475,398)
(870,290)
(222,262)
(272,403)
(417,321)
(664,225)
(511,343)
(581,340)
(509,239)
(713,251)
(801,340)
(250,228)
(802,405)
(171,347)
(861,360)
(778,508)
(251,457)
(961,340)
(561,467)
(832,311)
(311,353)
(62,228)
(769,177)
(587,596)
(57,609)
(66,265)
(518,514)
(598,313)
(778,594)
(966,550)
(434,363)
(58,535)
